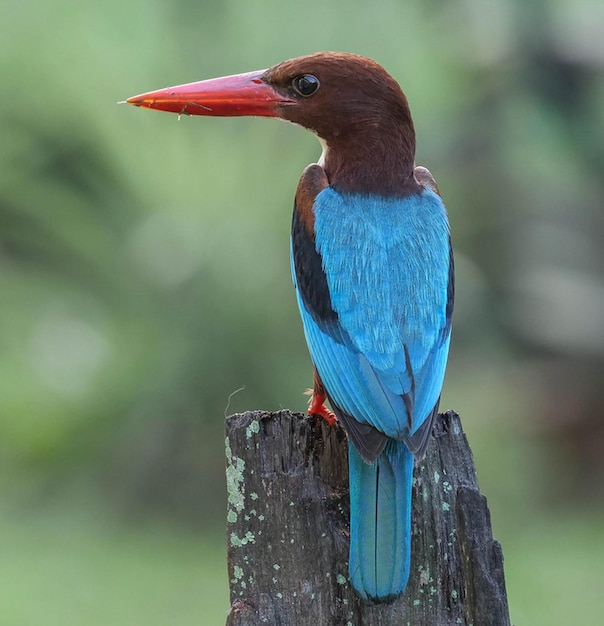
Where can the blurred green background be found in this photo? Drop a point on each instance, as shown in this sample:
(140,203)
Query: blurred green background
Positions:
(145,278)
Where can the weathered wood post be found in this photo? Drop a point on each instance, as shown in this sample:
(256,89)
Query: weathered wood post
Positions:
(287,478)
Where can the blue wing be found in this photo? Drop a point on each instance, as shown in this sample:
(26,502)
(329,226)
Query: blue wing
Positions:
(374,281)
(387,278)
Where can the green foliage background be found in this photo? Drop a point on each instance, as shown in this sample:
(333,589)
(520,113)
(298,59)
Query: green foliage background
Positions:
(144,274)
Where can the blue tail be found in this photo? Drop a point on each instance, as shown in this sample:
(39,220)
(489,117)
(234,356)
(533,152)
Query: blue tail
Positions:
(380,522)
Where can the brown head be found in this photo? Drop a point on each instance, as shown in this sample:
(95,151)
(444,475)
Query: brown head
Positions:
(355,107)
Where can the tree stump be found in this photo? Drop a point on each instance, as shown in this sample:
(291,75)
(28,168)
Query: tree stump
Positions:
(288,516)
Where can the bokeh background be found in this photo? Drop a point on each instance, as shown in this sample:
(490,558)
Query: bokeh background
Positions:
(146,288)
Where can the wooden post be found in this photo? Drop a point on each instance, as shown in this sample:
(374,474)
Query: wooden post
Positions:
(287,479)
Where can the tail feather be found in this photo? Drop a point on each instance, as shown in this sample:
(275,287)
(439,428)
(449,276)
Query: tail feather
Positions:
(380,522)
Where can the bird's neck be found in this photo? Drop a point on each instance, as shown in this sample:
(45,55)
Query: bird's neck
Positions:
(371,162)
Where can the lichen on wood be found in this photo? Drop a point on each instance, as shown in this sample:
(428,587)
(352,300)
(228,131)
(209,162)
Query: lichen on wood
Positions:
(287,519)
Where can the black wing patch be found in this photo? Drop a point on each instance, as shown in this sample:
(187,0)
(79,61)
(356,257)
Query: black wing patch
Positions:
(446,331)
(369,441)
(426,180)
(419,440)
(308,266)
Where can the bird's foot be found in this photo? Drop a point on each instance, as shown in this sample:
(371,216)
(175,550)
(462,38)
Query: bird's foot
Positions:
(317,407)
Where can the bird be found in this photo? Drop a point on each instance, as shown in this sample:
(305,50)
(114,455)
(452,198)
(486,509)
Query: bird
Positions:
(372,265)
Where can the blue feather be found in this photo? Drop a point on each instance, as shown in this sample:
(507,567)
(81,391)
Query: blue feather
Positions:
(382,358)
(387,266)
(380,520)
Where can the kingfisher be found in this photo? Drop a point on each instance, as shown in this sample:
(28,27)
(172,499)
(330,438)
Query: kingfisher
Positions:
(372,266)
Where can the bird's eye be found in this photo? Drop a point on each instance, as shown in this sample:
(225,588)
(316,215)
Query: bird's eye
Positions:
(306,84)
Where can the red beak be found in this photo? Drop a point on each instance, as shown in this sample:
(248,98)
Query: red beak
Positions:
(240,94)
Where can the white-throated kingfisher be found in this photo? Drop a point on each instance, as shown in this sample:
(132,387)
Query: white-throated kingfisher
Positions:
(373,269)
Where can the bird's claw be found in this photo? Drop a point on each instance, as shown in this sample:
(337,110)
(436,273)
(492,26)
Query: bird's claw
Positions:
(317,407)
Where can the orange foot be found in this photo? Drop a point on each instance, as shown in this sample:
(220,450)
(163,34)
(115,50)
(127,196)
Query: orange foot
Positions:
(316,406)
